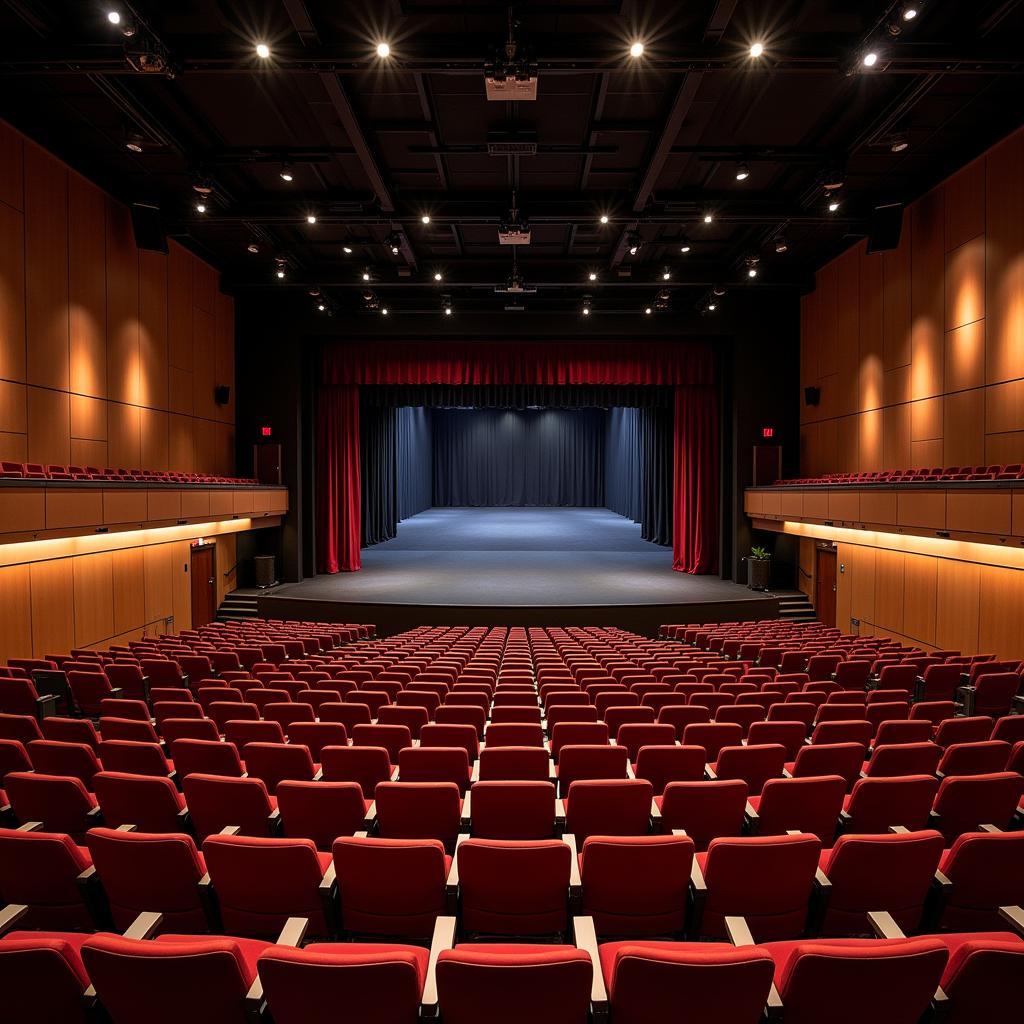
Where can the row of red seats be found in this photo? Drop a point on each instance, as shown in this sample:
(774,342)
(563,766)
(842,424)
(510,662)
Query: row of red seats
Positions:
(940,474)
(39,471)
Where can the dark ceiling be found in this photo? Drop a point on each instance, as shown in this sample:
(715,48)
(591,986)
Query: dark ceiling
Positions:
(375,144)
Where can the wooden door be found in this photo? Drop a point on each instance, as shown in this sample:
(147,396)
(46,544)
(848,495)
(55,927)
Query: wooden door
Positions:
(204,586)
(825,586)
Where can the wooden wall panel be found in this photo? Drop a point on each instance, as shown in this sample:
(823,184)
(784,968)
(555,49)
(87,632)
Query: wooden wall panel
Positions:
(87,267)
(129,585)
(862,596)
(124,435)
(88,418)
(204,364)
(154,437)
(53,606)
(920,592)
(153,330)
(965,283)
(94,597)
(964,357)
(15,612)
(12,293)
(181,584)
(88,453)
(889,589)
(963,418)
(965,204)
(12,177)
(157,580)
(926,297)
(179,307)
(181,452)
(46,268)
(49,426)
(896,303)
(122,307)
(1000,624)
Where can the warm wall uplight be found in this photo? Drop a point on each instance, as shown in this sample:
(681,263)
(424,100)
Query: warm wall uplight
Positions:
(937,547)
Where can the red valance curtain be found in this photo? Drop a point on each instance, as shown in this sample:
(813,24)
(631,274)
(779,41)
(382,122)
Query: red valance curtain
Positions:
(690,367)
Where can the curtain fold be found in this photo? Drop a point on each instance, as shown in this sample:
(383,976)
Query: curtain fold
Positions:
(415,465)
(338,483)
(493,457)
(378,458)
(638,469)
(695,477)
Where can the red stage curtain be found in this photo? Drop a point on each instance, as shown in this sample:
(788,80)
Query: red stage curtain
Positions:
(695,478)
(338,487)
(530,362)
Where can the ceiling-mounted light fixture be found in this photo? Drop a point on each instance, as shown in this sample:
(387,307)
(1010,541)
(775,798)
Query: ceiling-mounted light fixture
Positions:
(383,49)
(604,218)
(781,245)
(347,250)
(648,311)
(285,173)
(832,202)
(742,172)
(869,58)
(437,275)
(756,49)
(253,248)
(898,142)
(310,218)
(263,51)
(200,207)
(637,49)
(425,219)
(708,217)
(592,276)
(684,245)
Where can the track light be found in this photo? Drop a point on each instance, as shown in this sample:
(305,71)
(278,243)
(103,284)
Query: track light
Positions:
(394,243)
(384,311)
(263,51)
(311,218)
(200,207)
(320,306)
(253,248)
(604,218)
(202,184)
(280,272)
(366,275)
(437,275)
(637,49)
(114,17)
(756,49)
(634,243)
(752,261)
(708,218)
(425,219)
(742,172)
(347,250)
(869,59)
(832,201)
(134,142)
(899,142)
(712,307)
(286,172)
(666,275)
(648,311)
(383,49)
(781,245)
(447,310)
(586,311)
(684,246)
(592,276)
(751,271)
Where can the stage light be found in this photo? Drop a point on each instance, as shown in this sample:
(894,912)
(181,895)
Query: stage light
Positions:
(383,50)
(366,276)
(685,246)
(833,203)
(447,310)
(280,272)
(347,250)
(200,207)
(648,311)
(742,172)
(666,275)
(899,142)
(586,311)
(708,218)
(756,49)
(253,247)
(910,12)
(384,311)
(781,245)
(870,59)
(637,49)
(711,307)
(592,276)
(752,272)
(114,17)
(134,142)
(425,219)
(604,218)
(286,172)
(262,51)
(320,306)
(311,218)
(437,275)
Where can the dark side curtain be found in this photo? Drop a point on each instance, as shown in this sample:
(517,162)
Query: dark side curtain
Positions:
(491,457)
(695,480)
(338,510)
(638,469)
(396,467)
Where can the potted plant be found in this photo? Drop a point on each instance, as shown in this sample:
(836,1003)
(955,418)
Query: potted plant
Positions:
(759,564)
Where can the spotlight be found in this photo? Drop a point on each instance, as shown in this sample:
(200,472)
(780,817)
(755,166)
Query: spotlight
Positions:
(437,275)
(311,218)
(684,246)
(637,49)
(869,59)
(384,311)
(134,142)
(253,247)
(394,243)
(752,272)
(833,179)
(742,172)
(202,185)
(320,306)
(347,250)
(711,307)
(833,203)
(586,311)
(708,218)
(114,17)
(634,243)
(604,218)
(898,142)
(666,275)
(286,172)
(648,311)
(447,310)
(425,219)
(910,11)
(280,272)
(200,207)
(781,245)
(718,290)
(592,276)
(756,49)
(262,51)
(634,249)
(383,50)
(366,275)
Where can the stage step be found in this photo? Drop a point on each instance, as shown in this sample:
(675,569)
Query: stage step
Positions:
(237,607)
(796,607)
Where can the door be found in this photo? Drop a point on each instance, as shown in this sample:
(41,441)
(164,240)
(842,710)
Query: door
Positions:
(204,586)
(825,586)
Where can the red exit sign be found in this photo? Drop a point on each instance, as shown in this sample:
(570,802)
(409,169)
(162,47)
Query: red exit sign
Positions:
(265,431)
(767,432)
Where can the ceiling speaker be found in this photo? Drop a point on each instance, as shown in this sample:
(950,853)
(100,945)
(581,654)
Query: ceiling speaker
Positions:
(885,227)
(148,228)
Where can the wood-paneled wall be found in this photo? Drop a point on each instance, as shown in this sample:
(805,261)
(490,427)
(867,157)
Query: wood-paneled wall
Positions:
(930,602)
(94,600)
(108,355)
(919,352)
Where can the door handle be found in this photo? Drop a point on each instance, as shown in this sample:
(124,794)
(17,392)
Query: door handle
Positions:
(210,580)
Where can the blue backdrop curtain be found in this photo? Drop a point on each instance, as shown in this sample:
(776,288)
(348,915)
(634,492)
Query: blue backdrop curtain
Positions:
(638,469)
(415,460)
(495,457)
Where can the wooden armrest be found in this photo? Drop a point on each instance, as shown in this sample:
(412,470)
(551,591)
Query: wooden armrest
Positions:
(822,881)
(475,775)
(697,879)
(679,832)
(466,817)
(329,879)
(361,835)
(753,818)
(394,774)
(560,811)
(451,883)
(630,774)
(709,773)
(899,830)
(274,821)
(443,938)
(144,926)
(884,925)
(126,828)
(1014,917)
(575,882)
(30,826)
(657,824)
(370,818)
(11,915)
(786,773)
(941,883)
(319,777)
(586,939)
(94,816)
(230,830)
(990,828)
(294,932)
(552,771)
(738,931)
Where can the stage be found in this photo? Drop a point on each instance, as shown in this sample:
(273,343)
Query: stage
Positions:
(517,566)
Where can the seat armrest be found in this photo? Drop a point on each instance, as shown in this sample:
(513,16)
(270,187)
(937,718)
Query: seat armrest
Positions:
(786,773)
(738,931)
(630,774)
(30,826)
(230,830)
(361,835)
(466,817)
(11,915)
(46,705)
(884,925)
(443,938)
(942,884)
(679,832)
(899,830)
(575,882)
(274,821)
(319,777)
(94,817)
(208,901)
(657,823)
(116,692)
(127,828)
(1014,917)
(698,895)
(370,818)
(328,892)
(451,883)
(752,818)
(552,772)
(475,774)
(560,815)
(994,829)
(709,773)
(294,932)
(586,939)
(394,774)
(144,926)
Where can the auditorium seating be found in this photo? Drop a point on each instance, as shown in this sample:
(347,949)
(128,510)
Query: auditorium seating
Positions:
(938,475)
(374,836)
(83,474)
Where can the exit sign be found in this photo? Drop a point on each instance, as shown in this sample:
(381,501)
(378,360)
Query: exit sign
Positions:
(767,432)
(265,431)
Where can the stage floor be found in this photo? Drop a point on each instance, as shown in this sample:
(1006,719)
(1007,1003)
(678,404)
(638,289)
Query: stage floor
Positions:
(518,565)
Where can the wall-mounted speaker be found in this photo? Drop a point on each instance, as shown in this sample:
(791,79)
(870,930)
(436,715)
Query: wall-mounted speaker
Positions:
(885,227)
(812,396)
(148,227)
(222,394)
